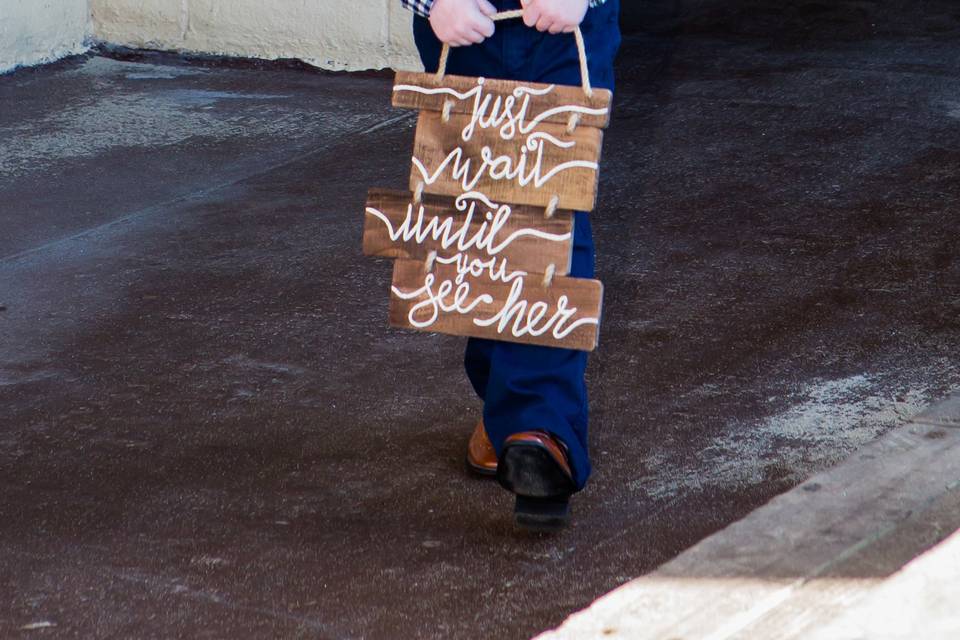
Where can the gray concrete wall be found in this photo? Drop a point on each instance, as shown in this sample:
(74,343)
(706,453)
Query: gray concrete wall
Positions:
(331,34)
(33,32)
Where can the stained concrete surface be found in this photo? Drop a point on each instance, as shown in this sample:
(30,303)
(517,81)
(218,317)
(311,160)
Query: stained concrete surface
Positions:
(859,551)
(208,430)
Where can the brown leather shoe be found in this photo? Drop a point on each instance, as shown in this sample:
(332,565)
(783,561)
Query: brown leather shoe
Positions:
(481,456)
(534,466)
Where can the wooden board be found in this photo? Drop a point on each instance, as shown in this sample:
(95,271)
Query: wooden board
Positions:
(394,227)
(565,314)
(422,91)
(440,147)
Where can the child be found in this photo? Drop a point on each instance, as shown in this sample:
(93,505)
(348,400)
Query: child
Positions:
(533,434)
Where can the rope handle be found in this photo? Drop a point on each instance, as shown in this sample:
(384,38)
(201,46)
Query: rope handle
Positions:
(518,13)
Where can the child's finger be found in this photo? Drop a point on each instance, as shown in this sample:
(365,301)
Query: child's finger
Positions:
(556,27)
(486,8)
(484,25)
(459,39)
(531,14)
(544,23)
(475,37)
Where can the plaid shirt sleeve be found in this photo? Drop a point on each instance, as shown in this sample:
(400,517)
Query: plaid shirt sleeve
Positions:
(422,7)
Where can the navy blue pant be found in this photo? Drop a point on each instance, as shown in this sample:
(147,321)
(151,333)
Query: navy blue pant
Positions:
(527,387)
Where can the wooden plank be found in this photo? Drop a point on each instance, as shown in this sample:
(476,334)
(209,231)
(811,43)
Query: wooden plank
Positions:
(553,103)
(564,314)
(394,227)
(441,152)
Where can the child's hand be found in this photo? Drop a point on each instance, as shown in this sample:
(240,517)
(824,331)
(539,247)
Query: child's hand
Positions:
(555,16)
(462,22)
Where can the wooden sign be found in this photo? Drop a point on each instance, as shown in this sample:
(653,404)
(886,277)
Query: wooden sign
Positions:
(549,163)
(397,227)
(487,301)
(484,236)
(430,95)
(523,143)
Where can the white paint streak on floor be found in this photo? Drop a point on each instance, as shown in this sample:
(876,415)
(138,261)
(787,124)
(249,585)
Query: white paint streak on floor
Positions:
(100,66)
(156,117)
(832,419)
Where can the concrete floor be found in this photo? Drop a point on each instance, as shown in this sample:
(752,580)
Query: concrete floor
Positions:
(209,431)
(864,550)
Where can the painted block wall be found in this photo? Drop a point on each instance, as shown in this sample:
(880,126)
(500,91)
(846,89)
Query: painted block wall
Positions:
(37,31)
(332,34)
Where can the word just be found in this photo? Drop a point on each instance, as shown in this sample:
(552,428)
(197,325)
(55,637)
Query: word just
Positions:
(509,116)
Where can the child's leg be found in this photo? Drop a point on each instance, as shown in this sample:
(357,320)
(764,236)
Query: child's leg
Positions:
(530,387)
(527,387)
(476,362)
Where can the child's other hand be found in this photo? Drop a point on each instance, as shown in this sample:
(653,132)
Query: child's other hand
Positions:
(462,22)
(555,16)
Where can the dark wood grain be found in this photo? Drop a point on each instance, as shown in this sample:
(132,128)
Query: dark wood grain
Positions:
(577,293)
(576,187)
(527,253)
(502,89)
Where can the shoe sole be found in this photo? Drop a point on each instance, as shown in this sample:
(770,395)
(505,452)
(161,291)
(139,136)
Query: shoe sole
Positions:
(542,514)
(529,469)
(541,485)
